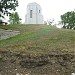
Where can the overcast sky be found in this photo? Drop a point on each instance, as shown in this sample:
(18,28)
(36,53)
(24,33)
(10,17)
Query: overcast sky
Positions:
(51,9)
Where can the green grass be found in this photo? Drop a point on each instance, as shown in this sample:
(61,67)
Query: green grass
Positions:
(39,39)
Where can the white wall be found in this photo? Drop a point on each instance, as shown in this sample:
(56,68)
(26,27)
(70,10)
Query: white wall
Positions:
(37,17)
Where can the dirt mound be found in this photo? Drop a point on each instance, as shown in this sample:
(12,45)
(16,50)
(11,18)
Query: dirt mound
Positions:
(48,64)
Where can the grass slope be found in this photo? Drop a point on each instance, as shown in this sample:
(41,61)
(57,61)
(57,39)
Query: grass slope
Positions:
(39,39)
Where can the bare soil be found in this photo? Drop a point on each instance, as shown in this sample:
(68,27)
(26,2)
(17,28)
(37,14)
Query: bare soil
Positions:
(55,63)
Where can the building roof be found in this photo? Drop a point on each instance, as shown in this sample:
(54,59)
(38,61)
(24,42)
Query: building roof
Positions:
(33,4)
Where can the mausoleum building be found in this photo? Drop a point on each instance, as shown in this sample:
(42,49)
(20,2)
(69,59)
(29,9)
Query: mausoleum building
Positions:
(34,14)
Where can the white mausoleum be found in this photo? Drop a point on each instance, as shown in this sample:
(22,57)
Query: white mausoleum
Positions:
(34,14)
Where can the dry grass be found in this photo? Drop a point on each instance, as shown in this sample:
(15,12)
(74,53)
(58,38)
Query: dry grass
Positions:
(39,39)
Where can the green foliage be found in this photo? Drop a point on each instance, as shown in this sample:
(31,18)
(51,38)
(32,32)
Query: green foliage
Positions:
(0,20)
(68,20)
(6,6)
(14,18)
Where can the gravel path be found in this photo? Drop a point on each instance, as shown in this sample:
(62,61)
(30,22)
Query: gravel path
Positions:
(4,34)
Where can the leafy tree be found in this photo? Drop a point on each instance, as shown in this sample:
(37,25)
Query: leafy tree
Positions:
(0,20)
(14,18)
(50,21)
(68,20)
(6,6)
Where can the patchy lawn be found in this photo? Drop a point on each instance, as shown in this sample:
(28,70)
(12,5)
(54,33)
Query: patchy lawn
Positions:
(38,39)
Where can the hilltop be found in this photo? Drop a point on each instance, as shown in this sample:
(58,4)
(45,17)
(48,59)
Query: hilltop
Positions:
(38,47)
(39,39)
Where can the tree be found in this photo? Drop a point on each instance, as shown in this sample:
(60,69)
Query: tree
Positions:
(50,21)
(68,20)
(45,22)
(6,6)
(0,20)
(14,18)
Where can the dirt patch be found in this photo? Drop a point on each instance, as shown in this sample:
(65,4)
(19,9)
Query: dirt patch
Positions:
(47,64)
(5,33)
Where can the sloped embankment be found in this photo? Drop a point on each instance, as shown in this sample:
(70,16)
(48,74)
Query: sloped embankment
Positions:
(5,33)
(11,63)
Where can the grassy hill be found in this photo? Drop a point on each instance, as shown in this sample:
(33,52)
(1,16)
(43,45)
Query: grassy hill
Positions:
(38,50)
(39,39)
